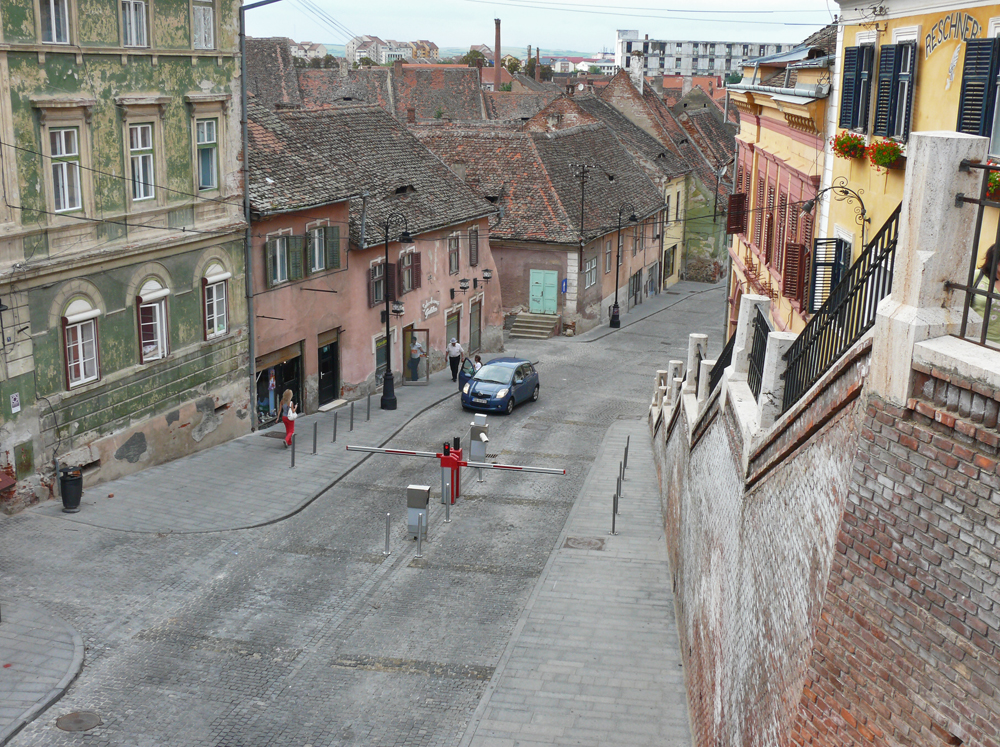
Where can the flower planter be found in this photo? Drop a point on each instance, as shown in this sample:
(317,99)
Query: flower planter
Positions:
(898,164)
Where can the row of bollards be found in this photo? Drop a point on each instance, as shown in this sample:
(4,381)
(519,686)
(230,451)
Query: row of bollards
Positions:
(622,466)
(334,439)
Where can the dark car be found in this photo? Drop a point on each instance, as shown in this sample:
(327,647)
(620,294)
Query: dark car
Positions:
(499,385)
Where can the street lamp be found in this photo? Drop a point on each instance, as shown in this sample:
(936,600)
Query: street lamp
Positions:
(388,401)
(842,192)
(625,207)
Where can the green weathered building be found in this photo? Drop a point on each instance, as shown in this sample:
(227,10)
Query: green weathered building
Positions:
(121,236)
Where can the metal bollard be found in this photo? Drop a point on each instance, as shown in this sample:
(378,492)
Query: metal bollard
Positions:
(334,427)
(447,512)
(614,513)
(421,516)
(625,467)
(386,551)
(315,434)
(352,417)
(293,451)
(368,412)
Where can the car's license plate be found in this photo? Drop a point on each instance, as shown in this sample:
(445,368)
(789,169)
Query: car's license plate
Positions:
(480,401)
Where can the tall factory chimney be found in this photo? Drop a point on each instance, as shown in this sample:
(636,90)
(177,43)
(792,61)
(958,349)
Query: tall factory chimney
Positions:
(496,58)
(538,65)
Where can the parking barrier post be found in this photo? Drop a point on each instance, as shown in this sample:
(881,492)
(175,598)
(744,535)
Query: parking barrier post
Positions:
(315,434)
(334,427)
(421,518)
(614,513)
(352,416)
(293,452)
(387,524)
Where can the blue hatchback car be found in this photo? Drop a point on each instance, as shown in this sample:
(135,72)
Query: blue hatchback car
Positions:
(499,385)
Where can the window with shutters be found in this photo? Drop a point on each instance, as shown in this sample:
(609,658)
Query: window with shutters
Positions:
(978,104)
(736,213)
(758,221)
(831,258)
(202,24)
(779,241)
(607,256)
(284,259)
(377,283)
(791,276)
(409,271)
(317,249)
(473,247)
(894,98)
(855,97)
(636,239)
(453,258)
(768,247)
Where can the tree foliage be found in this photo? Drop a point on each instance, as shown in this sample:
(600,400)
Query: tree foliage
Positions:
(470,57)
(513,65)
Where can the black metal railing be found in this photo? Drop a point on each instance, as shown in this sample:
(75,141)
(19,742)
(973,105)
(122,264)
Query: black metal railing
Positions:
(846,315)
(723,362)
(982,293)
(698,358)
(758,348)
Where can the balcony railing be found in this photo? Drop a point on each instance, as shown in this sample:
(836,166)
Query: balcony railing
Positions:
(758,348)
(982,291)
(723,362)
(848,313)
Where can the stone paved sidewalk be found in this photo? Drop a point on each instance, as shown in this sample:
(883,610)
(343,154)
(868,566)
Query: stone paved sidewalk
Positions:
(595,658)
(39,657)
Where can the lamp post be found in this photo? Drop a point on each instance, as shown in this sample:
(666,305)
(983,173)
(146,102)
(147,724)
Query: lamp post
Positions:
(630,209)
(388,401)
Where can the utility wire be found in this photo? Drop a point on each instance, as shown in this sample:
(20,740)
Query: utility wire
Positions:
(542,6)
(533,3)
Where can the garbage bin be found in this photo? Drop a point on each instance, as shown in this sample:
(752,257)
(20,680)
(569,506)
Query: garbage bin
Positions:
(71,488)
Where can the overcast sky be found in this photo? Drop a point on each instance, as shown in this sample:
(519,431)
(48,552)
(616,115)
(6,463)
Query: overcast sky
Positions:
(582,25)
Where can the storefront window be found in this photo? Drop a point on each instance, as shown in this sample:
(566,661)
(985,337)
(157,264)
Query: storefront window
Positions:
(271,384)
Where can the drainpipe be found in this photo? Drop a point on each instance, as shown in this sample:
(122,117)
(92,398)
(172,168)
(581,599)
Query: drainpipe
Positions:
(248,239)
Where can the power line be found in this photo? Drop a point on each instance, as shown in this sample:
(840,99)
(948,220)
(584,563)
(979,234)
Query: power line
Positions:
(314,16)
(330,20)
(533,3)
(545,6)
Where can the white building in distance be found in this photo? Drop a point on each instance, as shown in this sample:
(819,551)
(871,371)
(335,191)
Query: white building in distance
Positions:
(682,57)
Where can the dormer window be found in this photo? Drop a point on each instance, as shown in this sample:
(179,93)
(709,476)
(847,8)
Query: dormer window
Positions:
(406,189)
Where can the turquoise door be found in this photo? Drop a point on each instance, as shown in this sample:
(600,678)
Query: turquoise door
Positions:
(543,290)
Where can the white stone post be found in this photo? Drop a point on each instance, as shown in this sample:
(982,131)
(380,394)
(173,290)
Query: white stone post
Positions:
(703,378)
(935,245)
(772,385)
(744,332)
(696,342)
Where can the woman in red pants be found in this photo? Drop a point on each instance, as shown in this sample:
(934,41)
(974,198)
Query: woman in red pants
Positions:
(288,416)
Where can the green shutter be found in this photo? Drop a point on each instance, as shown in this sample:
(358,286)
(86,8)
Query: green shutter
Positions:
(269,260)
(849,94)
(885,101)
(979,86)
(332,247)
(296,250)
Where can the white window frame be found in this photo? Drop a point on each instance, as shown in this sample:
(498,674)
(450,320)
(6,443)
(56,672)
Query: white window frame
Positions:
(142,160)
(81,319)
(378,282)
(280,264)
(65,169)
(135,19)
(203,24)
(317,248)
(590,270)
(216,307)
(153,299)
(607,256)
(454,254)
(57,33)
(204,144)
(406,272)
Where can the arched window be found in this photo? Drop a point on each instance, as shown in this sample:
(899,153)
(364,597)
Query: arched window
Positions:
(80,336)
(214,283)
(154,342)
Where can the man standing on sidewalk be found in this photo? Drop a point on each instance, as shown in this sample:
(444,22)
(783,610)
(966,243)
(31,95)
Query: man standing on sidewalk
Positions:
(454,357)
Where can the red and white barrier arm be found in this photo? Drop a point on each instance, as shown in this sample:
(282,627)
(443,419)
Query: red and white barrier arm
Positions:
(514,467)
(400,452)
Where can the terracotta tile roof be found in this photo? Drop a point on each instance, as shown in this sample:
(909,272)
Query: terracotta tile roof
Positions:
(508,106)
(310,157)
(716,140)
(530,177)
(634,138)
(454,91)
(271,72)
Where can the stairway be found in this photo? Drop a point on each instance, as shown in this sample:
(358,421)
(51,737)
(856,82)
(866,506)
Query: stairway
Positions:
(535,326)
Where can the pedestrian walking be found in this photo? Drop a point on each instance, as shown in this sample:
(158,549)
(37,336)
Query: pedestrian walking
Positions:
(416,353)
(455,353)
(288,416)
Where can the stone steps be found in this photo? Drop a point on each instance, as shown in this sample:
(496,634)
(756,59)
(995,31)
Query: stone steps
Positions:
(535,326)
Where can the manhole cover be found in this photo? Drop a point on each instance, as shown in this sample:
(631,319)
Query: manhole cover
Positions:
(79,721)
(584,543)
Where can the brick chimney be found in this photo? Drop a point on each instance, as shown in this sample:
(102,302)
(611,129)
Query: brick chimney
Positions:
(397,69)
(411,114)
(538,66)
(496,57)
(686,84)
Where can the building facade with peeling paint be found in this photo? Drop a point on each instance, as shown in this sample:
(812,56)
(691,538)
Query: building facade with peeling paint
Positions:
(124,340)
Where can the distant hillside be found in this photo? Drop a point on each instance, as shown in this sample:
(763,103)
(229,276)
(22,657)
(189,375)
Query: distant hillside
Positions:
(337,50)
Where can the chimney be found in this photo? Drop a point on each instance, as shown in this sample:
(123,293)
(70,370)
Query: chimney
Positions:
(529,53)
(685,85)
(397,69)
(496,58)
(538,66)
(411,115)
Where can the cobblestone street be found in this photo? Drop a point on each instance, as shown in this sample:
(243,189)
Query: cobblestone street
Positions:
(300,632)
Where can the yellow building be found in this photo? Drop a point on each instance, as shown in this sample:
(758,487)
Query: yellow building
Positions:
(783,102)
(906,67)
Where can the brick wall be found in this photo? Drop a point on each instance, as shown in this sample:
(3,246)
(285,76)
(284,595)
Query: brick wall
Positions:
(906,647)
(750,566)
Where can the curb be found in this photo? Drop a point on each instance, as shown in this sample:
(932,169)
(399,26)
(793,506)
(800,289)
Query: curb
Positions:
(60,689)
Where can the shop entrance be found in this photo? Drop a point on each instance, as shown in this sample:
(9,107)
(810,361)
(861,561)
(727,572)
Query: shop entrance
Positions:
(274,376)
(329,365)
(415,346)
